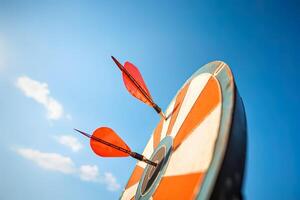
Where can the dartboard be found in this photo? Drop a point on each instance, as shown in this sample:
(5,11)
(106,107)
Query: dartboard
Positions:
(200,147)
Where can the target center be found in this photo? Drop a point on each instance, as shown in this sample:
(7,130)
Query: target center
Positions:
(152,171)
(152,175)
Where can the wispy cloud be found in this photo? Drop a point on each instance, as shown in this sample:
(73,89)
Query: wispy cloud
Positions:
(111,182)
(48,161)
(70,142)
(89,173)
(41,94)
(63,164)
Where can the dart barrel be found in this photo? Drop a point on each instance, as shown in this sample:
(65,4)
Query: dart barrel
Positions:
(200,149)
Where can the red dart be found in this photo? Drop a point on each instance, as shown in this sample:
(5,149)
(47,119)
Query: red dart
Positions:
(135,84)
(106,143)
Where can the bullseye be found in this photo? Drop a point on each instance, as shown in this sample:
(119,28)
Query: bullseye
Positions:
(152,175)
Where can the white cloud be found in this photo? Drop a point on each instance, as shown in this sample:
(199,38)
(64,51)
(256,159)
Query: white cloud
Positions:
(70,141)
(41,94)
(63,164)
(111,182)
(89,173)
(48,161)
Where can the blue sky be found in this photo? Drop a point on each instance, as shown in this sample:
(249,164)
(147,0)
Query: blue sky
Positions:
(64,48)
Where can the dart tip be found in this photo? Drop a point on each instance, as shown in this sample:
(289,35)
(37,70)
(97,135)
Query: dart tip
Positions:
(115,60)
(117,63)
(77,130)
(163,115)
(83,133)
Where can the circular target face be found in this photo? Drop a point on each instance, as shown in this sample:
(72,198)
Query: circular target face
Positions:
(186,145)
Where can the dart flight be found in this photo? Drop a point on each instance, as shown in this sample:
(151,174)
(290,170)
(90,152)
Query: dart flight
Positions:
(136,86)
(106,143)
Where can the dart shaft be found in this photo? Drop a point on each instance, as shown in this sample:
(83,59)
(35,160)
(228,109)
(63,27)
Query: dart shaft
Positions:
(132,154)
(142,158)
(154,105)
(123,69)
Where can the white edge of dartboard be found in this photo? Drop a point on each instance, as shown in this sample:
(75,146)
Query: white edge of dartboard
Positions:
(225,78)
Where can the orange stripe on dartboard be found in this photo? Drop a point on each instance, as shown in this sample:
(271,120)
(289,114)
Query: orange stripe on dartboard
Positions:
(177,106)
(208,99)
(178,187)
(135,177)
(157,133)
